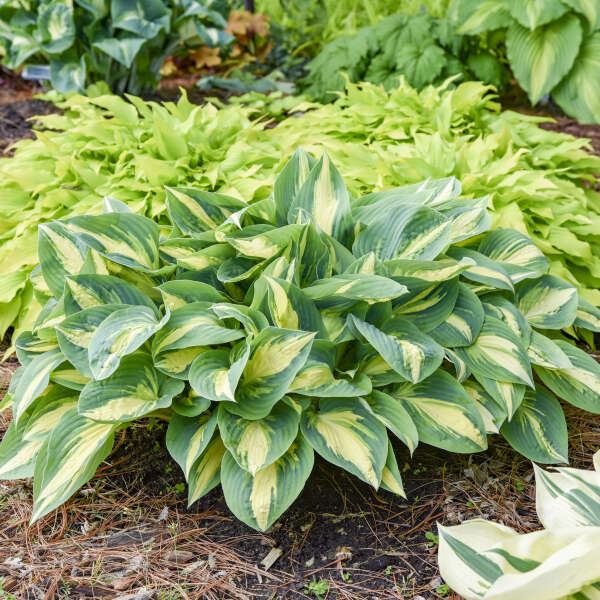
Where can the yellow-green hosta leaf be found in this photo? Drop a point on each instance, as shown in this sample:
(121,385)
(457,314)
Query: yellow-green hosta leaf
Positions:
(443,413)
(393,415)
(345,432)
(542,57)
(476,16)
(194,211)
(60,254)
(538,429)
(428,270)
(497,306)
(547,302)
(28,346)
(506,394)
(135,389)
(357,287)
(498,354)
(411,353)
(492,413)
(588,316)
(589,8)
(258,443)
(517,254)
(17,455)
(485,270)
(391,480)
(534,13)
(463,325)
(67,459)
(178,293)
(258,500)
(205,473)
(263,241)
(187,438)
(544,352)
(579,384)
(576,93)
(127,239)
(276,356)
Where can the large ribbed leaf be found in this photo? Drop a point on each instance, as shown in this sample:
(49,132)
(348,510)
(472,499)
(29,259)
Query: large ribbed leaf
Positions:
(589,8)
(475,16)
(258,500)
(345,432)
(542,57)
(534,13)
(444,414)
(538,429)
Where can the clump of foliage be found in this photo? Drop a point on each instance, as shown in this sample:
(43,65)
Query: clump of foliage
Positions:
(484,561)
(538,181)
(553,47)
(121,42)
(307,321)
(421,47)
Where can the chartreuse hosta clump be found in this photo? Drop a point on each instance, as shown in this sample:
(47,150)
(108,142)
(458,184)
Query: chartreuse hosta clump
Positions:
(307,321)
(482,560)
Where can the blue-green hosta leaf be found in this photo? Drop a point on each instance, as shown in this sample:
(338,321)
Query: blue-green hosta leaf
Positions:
(252,320)
(391,480)
(135,389)
(588,316)
(288,183)
(127,239)
(56,27)
(392,414)
(485,270)
(463,325)
(535,13)
(173,249)
(123,49)
(460,366)
(476,16)
(178,293)
(195,211)
(468,218)
(239,268)
(357,287)
(187,438)
(263,241)
(492,413)
(345,432)
(205,473)
(444,414)
(428,270)
(506,394)
(548,302)
(110,205)
(544,352)
(147,19)
(256,444)
(542,57)
(276,356)
(576,92)
(538,429)
(411,353)
(28,346)
(579,384)
(517,254)
(52,313)
(497,306)
(190,404)
(258,500)
(69,377)
(17,455)
(67,459)
(324,196)
(368,264)
(315,258)
(498,354)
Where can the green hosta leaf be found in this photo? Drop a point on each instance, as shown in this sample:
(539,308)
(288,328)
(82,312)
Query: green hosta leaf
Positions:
(146,18)
(110,205)
(544,352)
(173,249)
(492,413)
(427,270)
(468,218)
(535,13)
(68,75)
(67,459)
(391,480)
(56,27)
(69,377)
(195,211)
(17,455)
(127,239)
(576,94)
(345,432)
(460,366)
(357,287)
(542,57)
(485,270)
(497,306)
(578,384)
(391,413)
(476,16)
(209,259)
(463,325)
(588,316)
(187,438)
(517,254)
(589,8)
(29,346)
(258,500)
(498,354)
(190,404)
(205,473)
(506,394)
(276,356)
(123,50)
(252,320)
(444,414)
(288,183)
(412,354)
(538,429)
(178,293)
(256,444)
(135,389)
(547,302)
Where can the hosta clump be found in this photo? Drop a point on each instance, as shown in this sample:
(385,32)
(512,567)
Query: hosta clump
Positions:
(308,321)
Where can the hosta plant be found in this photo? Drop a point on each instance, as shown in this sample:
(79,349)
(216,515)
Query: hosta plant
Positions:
(481,560)
(307,321)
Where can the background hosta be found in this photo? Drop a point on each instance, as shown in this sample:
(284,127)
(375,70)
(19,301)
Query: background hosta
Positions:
(538,181)
(307,321)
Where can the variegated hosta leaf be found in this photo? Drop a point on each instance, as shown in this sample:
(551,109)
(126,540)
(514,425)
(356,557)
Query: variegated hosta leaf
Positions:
(492,413)
(188,438)
(534,13)
(190,404)
(538,429)
(476,16)
(412,354)
(517,254)
(276,356)
(110,205)
(391,480)
(392,414)
(544,352)
(207,260)
(28,346)
(498,354)
(178,293)
(195,211)
(496,305)
(427,270)
(52,313)
(547,302)
(460,366)
(69,377)
(17,455)
(315,259)
(468,218)
(463,325)
(588,316)
(127,239)
(444,414)
(485,270)
(135,389)
(205,473)
(258,500)
(67,459)
(345,432)
(174,249)
(506,394)
(256,444)
(263,241)
(355,286)
(578,384)
(252,320)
